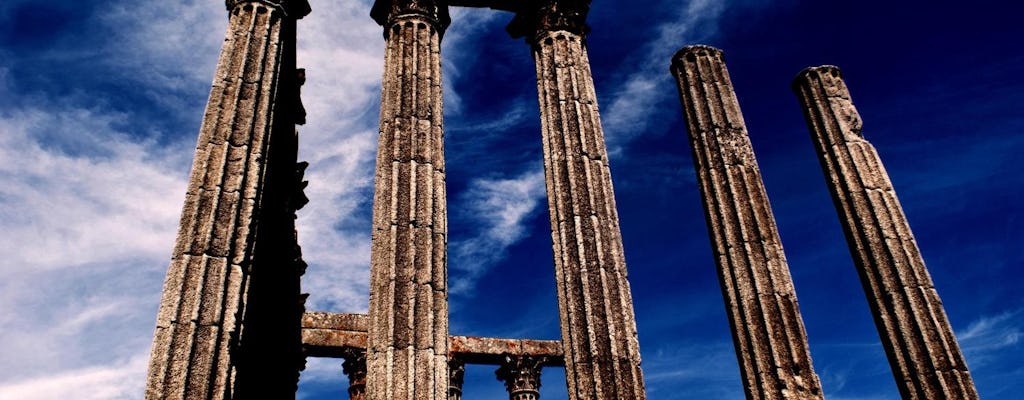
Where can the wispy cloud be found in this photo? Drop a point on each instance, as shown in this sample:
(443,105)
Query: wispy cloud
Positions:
(503,207)
(988,338)
(117,381)
(647,90)
(87,216)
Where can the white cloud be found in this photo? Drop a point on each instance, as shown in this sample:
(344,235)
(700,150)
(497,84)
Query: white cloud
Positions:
(87,220)
(122,380)
(642,93)
(988,338)
(503,207)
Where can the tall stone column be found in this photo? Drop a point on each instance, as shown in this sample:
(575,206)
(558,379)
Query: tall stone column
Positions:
(599,336)
(238,211)
(407,355)
(521,375)
(768,332)
(925,357)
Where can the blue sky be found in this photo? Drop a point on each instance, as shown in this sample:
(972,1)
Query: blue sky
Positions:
(100,103)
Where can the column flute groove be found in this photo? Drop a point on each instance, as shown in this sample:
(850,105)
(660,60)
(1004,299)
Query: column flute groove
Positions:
(923,352)
(768,332)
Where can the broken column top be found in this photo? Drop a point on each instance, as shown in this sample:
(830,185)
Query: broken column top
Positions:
(810,72)
(292,8)
(694,51)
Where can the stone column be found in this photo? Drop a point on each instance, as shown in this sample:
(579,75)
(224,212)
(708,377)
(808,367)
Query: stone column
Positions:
(599,337)
(241,184)
(768,332)
(407,355)
(456,377)
(355,368)
(925,357)
(521,375)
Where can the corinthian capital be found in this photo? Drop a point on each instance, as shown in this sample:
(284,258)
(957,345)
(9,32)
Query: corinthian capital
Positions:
(386,11)
(292,8)
(541,16)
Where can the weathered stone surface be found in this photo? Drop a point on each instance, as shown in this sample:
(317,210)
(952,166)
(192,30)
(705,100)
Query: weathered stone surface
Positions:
(768,333)
(407,345)
(521,375)
(923,352)
(329,334)
(599,335)
(219,310)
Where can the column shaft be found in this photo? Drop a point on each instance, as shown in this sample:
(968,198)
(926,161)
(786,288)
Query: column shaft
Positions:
(246,148)
(407,355)
(599,334)
(768,332)
(918,339)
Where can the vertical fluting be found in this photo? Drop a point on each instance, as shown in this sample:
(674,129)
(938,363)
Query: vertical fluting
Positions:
(599,334)
(196,349)
(923,352)
(407,355)
(768,332)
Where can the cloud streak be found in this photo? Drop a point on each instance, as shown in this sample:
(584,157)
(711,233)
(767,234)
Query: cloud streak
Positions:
(502,207)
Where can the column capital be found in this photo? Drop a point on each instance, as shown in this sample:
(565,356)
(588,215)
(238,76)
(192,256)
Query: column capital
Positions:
(521,375)
(292,8)
(355,368)
(456,377)
(385,12)
(542,16)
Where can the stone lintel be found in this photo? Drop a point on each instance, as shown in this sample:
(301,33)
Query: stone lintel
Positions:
(329,334)
(492,351)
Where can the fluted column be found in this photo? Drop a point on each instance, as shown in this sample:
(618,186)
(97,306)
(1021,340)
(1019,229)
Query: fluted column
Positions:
(768,332)
(521,375)
(456,377)
(407,355)
(599,335)
(918,339)
(241,193)
(354,368)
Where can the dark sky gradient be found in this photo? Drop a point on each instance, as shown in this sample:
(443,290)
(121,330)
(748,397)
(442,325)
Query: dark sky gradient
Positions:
(939,89)
(938,85)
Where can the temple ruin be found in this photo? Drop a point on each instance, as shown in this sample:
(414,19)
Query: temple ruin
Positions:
(232,298)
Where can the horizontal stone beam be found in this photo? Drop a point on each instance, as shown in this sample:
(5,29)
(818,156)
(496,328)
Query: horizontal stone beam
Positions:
(329,334)
(492,351)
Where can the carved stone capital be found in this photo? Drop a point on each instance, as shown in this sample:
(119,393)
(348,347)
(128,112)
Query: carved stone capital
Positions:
(456,377)
(521,375)
(355,368)
(292,8)
(386,12)
(542,16)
